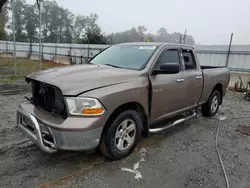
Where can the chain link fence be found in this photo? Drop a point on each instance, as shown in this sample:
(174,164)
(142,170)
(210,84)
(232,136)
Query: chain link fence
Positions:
(52,55)
(235,57)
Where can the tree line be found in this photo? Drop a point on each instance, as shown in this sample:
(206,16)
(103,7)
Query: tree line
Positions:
(140,34)
(59,25)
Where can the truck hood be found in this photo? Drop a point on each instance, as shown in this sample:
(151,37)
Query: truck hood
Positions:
(77,79)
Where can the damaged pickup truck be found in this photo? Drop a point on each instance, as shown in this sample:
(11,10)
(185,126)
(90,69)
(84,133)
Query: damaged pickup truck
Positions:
(122,94)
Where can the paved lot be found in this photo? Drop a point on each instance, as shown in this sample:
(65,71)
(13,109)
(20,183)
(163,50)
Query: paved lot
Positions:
(182,157)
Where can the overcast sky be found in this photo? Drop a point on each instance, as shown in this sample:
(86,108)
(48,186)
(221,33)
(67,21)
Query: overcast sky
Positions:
(209,21)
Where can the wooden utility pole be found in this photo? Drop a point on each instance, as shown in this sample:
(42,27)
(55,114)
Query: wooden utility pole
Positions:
(14,34)
(229,49)
(185,35)
(39,2)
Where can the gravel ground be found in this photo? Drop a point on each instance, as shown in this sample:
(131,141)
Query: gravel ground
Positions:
(184,156)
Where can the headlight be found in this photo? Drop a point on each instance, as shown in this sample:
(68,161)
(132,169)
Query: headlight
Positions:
(84,106)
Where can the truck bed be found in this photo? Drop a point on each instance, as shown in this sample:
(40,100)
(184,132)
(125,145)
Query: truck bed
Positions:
(211,76)
(211,67)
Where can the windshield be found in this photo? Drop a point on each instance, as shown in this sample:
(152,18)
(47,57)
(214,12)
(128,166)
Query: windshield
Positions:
(127,56)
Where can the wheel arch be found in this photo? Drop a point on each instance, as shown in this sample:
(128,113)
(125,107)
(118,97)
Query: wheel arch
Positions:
(218,87)
(131,106)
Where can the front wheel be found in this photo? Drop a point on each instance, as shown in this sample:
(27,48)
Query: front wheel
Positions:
(120,138)
(211,107)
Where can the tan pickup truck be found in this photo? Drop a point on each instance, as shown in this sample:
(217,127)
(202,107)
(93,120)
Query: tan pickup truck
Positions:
(122,94)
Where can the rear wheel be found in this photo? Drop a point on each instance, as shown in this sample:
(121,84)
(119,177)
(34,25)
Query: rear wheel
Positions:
(120,138)
(211,107)
(247,97)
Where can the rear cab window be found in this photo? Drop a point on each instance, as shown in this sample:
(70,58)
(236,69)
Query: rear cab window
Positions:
(189,60)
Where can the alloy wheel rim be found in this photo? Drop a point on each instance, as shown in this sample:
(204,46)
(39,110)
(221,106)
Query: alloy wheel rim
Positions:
(125,135)
(214,104)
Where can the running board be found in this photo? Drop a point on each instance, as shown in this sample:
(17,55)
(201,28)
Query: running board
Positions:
(157,130)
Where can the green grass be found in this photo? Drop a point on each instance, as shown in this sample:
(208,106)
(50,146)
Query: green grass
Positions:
(11,79)
(23,68)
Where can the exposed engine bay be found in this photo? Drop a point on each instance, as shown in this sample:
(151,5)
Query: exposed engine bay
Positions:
(48,97)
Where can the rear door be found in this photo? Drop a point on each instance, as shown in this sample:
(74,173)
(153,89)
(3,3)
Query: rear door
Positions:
(168,90)
(193,77)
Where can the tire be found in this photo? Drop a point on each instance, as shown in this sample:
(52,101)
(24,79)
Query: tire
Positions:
(210,108)
(115,143)
(247,97)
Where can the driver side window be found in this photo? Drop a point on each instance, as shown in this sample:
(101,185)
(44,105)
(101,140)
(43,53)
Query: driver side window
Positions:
(168,56)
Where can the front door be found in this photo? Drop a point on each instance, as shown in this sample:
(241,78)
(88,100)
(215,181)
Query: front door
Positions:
(168,90)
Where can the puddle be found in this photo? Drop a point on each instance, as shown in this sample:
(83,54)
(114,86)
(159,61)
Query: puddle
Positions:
(221,117)
(92,164)
(243,129)
(135,170)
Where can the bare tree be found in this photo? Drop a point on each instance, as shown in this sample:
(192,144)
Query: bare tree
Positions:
(141,30)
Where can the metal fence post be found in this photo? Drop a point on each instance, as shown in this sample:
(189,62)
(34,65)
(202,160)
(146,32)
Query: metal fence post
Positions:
(229,49)
(75,57)
(14,34)
(88,48)
(7,46)
(42,51)
(69,54)
(30,50)
(55,53)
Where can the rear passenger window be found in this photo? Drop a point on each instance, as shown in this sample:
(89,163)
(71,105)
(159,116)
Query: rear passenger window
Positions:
(169,56)
(189,60)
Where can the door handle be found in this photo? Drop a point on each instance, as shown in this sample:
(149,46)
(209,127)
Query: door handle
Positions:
(180,80)
(198,77)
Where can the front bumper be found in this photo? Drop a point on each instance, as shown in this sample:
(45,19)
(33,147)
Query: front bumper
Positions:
(50,138)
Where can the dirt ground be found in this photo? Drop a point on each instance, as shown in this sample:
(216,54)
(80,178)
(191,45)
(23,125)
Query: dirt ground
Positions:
(184,156)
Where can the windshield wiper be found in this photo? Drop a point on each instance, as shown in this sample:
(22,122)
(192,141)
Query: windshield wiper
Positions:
(114,66)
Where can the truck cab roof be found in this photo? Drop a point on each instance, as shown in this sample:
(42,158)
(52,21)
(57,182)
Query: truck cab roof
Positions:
(158,44)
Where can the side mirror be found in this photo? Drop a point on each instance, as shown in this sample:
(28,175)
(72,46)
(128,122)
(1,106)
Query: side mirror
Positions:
(167,68)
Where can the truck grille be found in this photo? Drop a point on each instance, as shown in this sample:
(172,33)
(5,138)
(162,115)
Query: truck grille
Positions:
(49,98)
